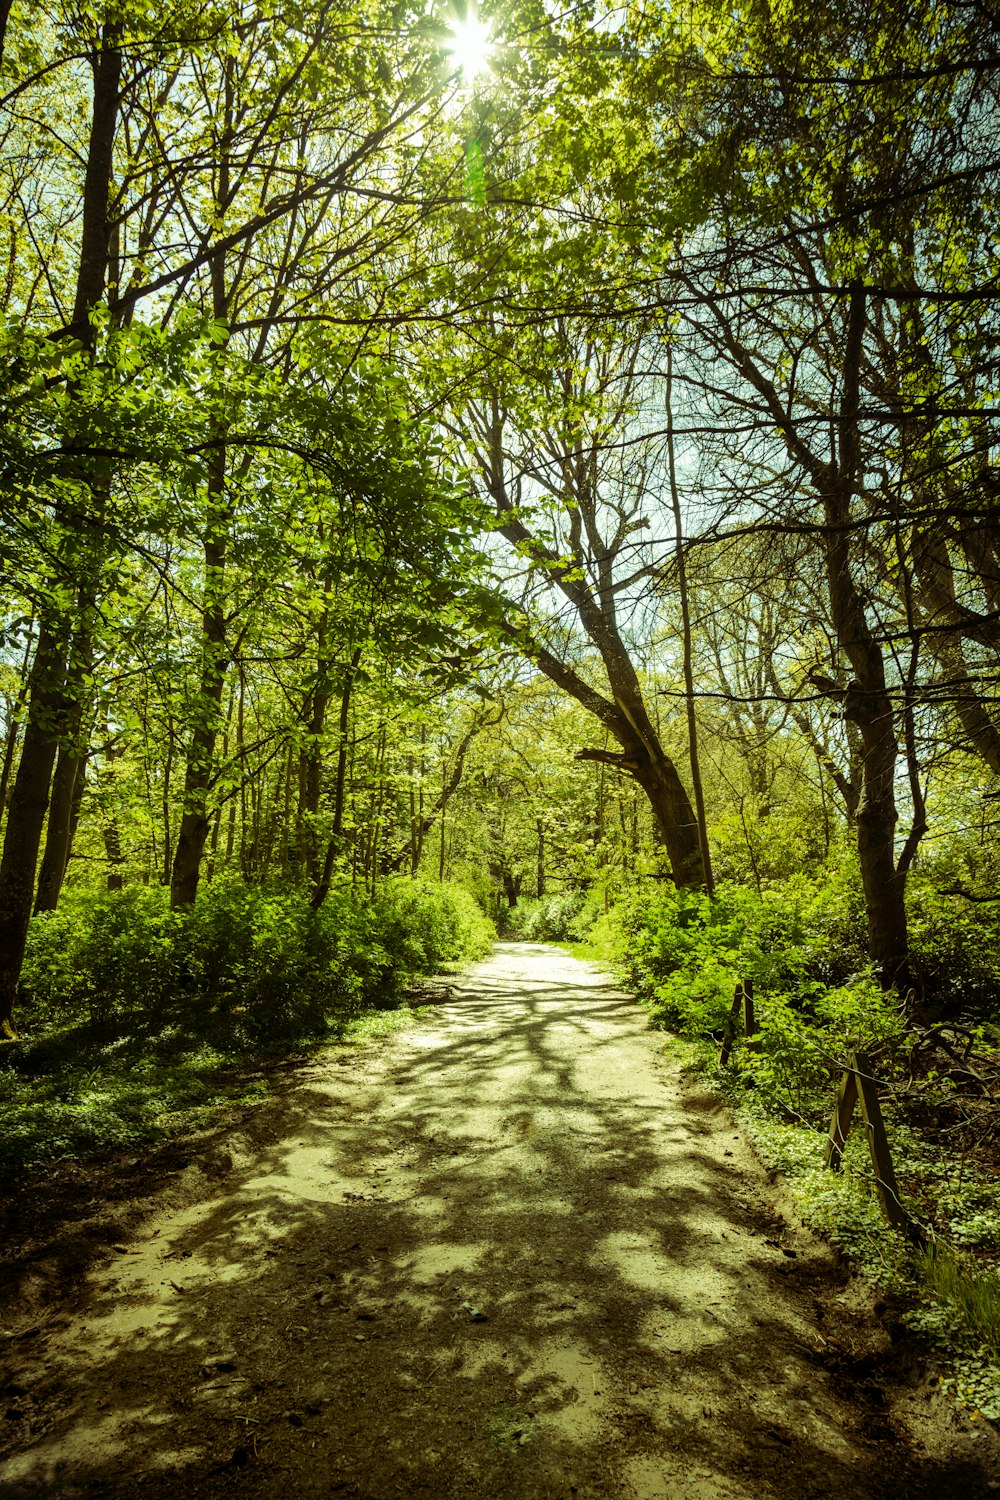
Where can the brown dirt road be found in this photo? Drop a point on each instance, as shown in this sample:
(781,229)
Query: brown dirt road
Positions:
(511,1253)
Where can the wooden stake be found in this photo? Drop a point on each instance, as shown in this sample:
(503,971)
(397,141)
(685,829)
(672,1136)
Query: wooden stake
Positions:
(858,1081)
(749,1019)
(878,1143)
(730,1033)
(843,1110)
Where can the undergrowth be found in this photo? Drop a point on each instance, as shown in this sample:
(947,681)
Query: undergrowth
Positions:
(547,919)
(134,1019)
(817,999)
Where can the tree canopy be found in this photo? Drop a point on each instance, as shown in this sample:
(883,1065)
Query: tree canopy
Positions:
(368,379)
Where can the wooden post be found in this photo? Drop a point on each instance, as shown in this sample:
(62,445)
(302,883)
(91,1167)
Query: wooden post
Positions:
(749,1019)
(847,1097)
(878,1143)
(730,1033)
(858,1081)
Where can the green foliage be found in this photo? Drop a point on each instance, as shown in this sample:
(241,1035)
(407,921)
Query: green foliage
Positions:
(425,926)
(72,1101)
(103,956)
(772,848)
(695,998)
(547,919)
(953,1303)
(955,944)
(795,939)
(959,1312)
(259,957)
(798,941)
(133,1014)
(973,1294)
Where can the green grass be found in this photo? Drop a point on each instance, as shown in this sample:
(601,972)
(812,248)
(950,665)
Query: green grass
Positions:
(584,950)
(971,1294)
(65,1097)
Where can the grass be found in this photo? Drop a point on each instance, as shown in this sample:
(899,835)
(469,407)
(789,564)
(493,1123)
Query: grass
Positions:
(972,1295)
(65,1096)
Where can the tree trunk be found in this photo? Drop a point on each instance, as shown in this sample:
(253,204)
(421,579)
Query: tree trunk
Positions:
(392,864)
(28,805)
(64,809)
(168,831)
(14,725)
(867,701)
(46,695)
(112,832)
(195,821)
(936,580)
(68,781)
(311,775)
(192,835)
(624,713)
(692,723)
(322,888)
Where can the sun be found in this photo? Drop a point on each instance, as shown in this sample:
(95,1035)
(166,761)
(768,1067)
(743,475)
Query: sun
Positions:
(470,45)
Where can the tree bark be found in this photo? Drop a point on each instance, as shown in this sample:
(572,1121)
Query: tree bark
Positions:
(111,831)
(641,757)
(64,812)
(692,722)
(14,725)
(936,580)
(192,835)
(867,702)
(195,821)
(322,887)
(28,805)
(624,714)
(47,704)
(67,783)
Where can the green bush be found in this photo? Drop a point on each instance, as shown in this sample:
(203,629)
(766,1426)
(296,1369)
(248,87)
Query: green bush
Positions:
(801,943)
(258,956)
(790,938)
(955,945)
(102,956)
(695,999)
(751,847)
(131,1013)
(425,925)
(547,919)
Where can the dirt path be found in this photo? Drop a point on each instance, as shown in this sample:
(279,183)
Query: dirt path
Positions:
(509,1254)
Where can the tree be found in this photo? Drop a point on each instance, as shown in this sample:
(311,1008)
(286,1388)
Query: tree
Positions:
(571,502)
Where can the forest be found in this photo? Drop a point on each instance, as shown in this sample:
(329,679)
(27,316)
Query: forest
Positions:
(530,471)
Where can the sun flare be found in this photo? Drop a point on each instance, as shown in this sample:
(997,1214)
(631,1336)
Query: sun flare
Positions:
(470,45)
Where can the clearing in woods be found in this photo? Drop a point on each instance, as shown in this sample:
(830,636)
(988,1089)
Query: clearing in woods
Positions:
(511,1253)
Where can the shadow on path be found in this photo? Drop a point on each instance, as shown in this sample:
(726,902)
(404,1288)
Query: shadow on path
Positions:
(510,1254)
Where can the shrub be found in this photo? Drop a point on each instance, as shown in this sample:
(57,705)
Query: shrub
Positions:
(695,999)
(955,944)
(425,925)
(255,961)
(799,941)
(102,955)
(547,919)
(133,1015)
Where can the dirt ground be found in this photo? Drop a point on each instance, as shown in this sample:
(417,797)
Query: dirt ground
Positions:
(510,1253)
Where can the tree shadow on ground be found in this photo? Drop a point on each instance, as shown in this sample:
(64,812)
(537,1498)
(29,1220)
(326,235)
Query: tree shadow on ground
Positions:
(505,1266)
